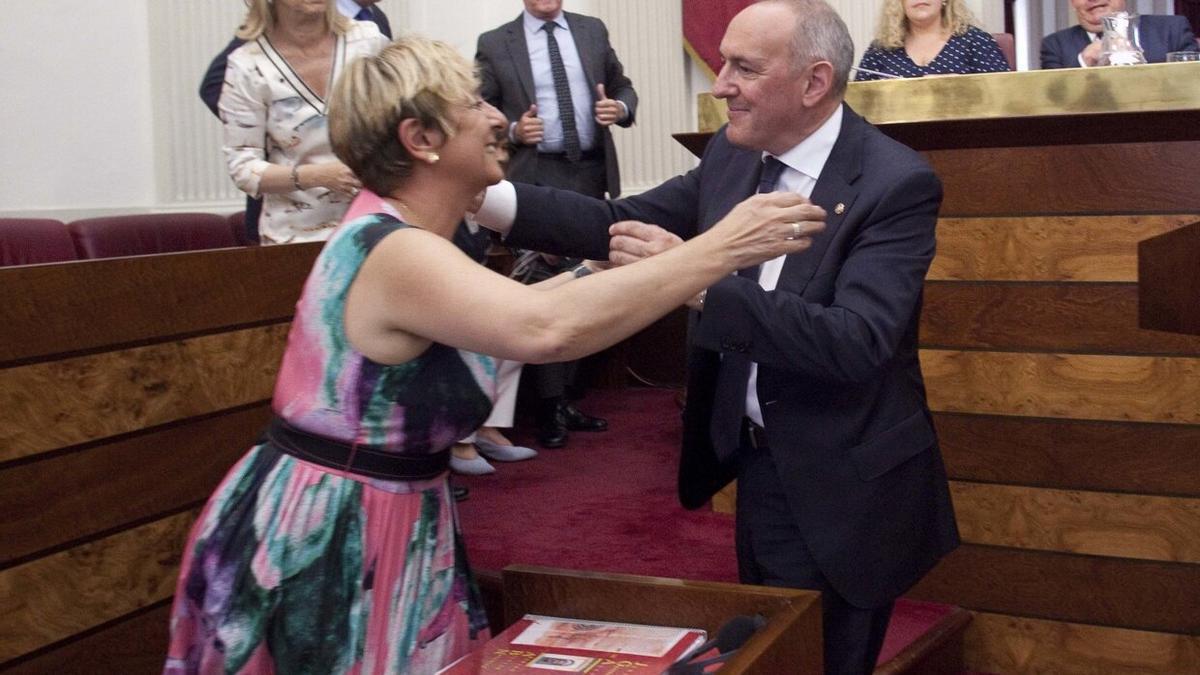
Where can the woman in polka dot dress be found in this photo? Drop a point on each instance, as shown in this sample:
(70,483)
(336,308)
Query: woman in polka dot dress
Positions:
(916,38)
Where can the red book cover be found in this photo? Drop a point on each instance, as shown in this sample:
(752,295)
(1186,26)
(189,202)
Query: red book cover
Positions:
(545,644)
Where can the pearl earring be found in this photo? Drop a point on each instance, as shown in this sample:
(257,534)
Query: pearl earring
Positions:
(433,157)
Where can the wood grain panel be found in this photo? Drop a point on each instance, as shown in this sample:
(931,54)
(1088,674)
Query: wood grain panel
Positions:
(80,306)
(1046,248)
(55,404)
(996,643)
(1130,457)
(1134,388)
(1138,594)
(134,646)
(1154,178)
(55,597)
(68,497)
(1093,318)
(1074,521)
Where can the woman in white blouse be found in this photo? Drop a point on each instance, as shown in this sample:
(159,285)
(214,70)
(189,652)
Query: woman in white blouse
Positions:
(273,109)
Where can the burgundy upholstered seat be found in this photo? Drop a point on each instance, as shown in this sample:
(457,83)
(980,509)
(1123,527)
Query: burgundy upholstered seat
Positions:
(28,241)
(145,234)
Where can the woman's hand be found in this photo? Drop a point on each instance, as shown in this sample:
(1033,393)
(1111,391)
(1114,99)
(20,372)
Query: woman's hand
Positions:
(768,225)
(333,176)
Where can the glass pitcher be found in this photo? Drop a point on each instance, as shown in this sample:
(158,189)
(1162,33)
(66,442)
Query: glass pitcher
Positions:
(1119,45)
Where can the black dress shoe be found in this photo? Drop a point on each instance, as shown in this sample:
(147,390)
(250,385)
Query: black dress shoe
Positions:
(460,492)
(574,420)
(552,434)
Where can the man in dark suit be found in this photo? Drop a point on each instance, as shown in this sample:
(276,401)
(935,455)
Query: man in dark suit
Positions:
(214,80)
(1079,46)
(555,76)
(804,383)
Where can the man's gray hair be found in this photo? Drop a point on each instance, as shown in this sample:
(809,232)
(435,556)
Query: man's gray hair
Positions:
(821,35)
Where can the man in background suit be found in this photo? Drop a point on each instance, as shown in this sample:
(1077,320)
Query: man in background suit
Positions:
(1079,46)
(804,381)
(559,131)
(214,80)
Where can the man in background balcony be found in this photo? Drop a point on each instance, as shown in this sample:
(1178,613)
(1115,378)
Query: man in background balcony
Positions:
(1079,46)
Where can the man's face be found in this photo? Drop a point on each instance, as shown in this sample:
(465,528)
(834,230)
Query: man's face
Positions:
(543,9)
(1090,12)
(760,85)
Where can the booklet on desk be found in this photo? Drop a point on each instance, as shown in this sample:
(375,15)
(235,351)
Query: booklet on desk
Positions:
(546,643)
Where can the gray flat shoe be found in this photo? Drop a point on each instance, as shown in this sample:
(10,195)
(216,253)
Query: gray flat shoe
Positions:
(477,466)
(504,453)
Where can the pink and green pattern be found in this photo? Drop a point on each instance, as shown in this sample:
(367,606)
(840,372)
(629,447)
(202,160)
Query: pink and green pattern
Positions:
(296,568)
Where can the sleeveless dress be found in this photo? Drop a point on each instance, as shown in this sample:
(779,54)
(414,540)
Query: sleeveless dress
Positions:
(293,567)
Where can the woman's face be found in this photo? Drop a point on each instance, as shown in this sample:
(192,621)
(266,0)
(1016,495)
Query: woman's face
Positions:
(476,150)
(922,12)
(302,7)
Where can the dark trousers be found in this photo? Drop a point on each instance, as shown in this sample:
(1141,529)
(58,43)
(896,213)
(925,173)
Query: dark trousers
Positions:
(586,176)
(771,552)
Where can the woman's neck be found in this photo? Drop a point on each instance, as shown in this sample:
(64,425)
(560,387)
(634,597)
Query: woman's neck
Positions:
(931,28)
(430,210)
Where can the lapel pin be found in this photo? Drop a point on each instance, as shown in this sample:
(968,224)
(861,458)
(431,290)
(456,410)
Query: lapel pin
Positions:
(839,209)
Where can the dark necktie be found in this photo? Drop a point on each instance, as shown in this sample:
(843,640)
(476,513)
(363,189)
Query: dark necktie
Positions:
(562,90)
(729,405)
(364,14)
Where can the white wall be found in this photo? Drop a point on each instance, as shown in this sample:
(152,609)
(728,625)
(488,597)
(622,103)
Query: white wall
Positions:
(101,113)
(77,121)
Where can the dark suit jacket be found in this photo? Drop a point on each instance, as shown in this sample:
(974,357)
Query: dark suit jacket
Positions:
(1157,35)
(214,77)
(507,83)
(842,395)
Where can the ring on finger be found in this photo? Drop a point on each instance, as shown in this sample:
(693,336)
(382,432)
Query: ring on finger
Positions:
(795,231)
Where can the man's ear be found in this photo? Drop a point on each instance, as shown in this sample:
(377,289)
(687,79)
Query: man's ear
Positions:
(819,81)
(420,142)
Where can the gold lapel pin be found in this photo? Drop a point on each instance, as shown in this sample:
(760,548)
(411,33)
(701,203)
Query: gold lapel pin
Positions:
(839,209)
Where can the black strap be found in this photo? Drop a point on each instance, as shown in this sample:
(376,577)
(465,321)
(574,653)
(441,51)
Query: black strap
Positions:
(365,460)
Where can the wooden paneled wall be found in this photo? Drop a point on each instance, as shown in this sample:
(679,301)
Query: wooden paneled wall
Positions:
(1071,436)
(128,387)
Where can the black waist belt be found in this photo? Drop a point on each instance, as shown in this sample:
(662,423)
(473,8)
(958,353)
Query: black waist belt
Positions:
(365,460)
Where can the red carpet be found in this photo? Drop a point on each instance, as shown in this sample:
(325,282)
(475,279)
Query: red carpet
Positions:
(607,502)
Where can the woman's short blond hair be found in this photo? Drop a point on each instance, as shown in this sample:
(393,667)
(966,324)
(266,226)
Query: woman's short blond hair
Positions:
(892,28)
(412,78)
(260,17)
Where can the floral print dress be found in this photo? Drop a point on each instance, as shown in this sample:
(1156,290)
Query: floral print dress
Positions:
(293,567)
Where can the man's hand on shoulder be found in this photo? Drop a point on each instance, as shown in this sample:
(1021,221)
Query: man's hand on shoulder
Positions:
(633,240)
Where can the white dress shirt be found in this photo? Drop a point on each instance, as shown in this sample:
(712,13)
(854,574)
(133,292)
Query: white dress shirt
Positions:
(802,166)
(543,84)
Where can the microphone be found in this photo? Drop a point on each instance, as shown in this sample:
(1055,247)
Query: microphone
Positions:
(730,637)
(887,76)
